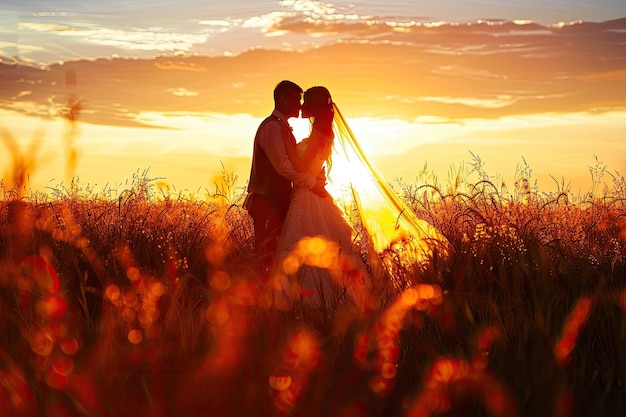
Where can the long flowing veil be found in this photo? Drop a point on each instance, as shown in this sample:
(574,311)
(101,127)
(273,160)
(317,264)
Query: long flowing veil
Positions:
(393,228)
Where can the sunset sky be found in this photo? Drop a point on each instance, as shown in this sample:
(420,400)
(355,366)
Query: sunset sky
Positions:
(179,88)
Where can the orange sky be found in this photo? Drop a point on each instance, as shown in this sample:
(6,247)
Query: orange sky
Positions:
(415,95)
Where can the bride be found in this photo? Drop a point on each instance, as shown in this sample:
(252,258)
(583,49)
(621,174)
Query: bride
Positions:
(316,263)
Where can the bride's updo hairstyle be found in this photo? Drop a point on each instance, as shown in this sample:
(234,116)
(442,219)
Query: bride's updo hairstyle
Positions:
(318,105)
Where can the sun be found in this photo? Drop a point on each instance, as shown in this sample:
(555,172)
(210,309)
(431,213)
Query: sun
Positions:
(301,127)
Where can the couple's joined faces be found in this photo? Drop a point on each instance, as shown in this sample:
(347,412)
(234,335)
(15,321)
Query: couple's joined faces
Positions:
(306,111)
(292,104)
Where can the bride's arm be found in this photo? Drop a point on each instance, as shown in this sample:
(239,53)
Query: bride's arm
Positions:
(301,163)
(292,153)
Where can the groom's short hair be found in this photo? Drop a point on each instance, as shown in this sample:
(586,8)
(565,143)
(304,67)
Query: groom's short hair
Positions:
(284,88)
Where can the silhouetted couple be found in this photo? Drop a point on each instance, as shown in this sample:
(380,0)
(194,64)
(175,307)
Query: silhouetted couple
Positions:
(302,237)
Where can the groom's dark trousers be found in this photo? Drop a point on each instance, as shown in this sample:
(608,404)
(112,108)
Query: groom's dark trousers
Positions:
(268,222)
(267,202)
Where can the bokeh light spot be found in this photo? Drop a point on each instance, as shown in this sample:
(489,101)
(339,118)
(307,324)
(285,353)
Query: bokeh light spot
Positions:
(306,347)
(217,314)
(41,344)
(409,297)
(291,264)
(244,293)
(388,370)
(280,383)
(63,365)
(133,273)
(129,298)
(215,254)
(157,288)
(69,346)
(56,307)
(56,330)
(129,314)
(219,280)
(54,379)
(135,336)
(380,386)
(112,292)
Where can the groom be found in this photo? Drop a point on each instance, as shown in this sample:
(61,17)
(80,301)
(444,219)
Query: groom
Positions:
(272,175)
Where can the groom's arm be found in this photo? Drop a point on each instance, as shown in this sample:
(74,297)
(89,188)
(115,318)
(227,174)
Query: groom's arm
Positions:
(320,188)
(320,184)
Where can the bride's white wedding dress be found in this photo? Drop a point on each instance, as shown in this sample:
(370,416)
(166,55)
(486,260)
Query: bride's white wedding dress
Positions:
(316,263)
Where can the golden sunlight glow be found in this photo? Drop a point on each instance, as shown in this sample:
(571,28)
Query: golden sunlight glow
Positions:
(191,150)
(130,279)
(392,226)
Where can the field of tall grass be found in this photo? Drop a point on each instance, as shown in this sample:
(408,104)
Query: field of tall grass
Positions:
(147,303)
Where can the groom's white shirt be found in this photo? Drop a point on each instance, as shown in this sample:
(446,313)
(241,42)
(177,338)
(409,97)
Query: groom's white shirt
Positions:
(276,153)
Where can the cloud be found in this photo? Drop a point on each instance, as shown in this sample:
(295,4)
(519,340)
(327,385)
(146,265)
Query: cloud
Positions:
(147,40)
(319,9)
(613,75)
(448,72)
(484,103)
(182,92)
(266,21)
(294,13)
(180,65)
(151,39)
(23,93)
(323,19)
(219,23)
